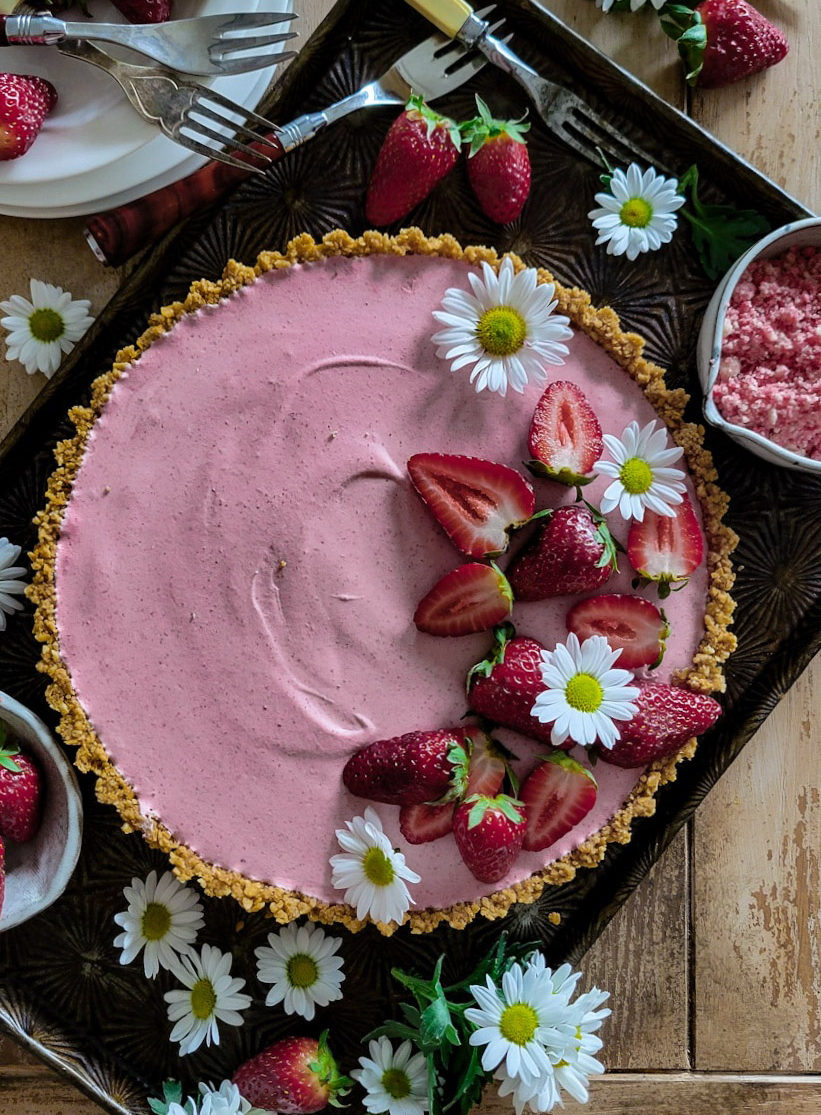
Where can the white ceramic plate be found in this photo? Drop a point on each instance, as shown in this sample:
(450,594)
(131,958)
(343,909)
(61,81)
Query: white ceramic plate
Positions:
(104,152)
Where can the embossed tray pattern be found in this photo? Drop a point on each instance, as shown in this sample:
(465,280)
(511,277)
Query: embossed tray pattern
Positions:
(62,990)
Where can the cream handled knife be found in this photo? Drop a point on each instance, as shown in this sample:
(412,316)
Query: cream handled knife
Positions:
(451,17)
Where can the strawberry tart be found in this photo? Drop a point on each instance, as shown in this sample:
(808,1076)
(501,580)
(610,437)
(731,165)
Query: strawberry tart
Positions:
(295,580)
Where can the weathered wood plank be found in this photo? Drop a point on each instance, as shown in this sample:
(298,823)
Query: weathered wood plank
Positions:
(641,959)
(757,879)
(28,1090)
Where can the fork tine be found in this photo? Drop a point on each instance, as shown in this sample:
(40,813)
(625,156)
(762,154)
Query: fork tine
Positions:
(241,63)
(244,116)
(250,20)
(200,128)
(212,152)
(223,48)
(234,132)
(608,138)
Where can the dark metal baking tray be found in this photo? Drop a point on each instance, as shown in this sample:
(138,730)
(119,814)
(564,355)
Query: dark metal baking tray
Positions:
(62,990)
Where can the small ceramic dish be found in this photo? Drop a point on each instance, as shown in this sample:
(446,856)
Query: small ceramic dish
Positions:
(804,233)
(38,872)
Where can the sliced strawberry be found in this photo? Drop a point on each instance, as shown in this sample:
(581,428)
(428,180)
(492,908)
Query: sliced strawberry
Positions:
(630,624)
(556,796)
(488,765)
(468,599)
(410,769)
(667,716)
(489,834)
(420,824)
(565,435)
(475,501)
(665,549)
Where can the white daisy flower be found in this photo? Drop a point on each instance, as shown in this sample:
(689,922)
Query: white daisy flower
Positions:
(583,694)
(606,5)
(638,214)
(519,1025)
(395,1081)
(506,328)
(370,871)
(225,1100)
(42,330)
(11,584)
(211,995)
(189,1107)
(302,965)
(642,477)
(163,918)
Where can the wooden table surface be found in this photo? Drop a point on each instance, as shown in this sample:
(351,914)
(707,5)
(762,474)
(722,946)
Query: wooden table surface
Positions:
(715,963)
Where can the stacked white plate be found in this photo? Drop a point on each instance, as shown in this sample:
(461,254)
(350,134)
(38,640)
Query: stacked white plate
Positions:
(94,151)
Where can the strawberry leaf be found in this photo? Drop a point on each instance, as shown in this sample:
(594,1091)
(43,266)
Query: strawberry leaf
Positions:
(502,634)
(7,754)
(721,233)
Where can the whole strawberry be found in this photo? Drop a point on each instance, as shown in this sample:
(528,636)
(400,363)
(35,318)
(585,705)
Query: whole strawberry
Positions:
(420,148)
(489,833)
(25,101)
(666,717)
(503,688)
(20,795)
(573,552)
(498,164)
(292,1076)
(411,769)
(144,11)
(722,41)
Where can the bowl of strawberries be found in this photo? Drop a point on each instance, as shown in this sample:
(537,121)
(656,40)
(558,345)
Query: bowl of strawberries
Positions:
(41,817)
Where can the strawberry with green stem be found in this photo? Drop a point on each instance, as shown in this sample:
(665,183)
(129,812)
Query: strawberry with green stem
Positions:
(565,439)
(420,148)
(630,624)
(25,101)
(469,599)
(21,793)
(722,41)
(557,794)
(498,164)
(489,832)
(666,550)
(417,767)
(667,716)
(573,552)
(293,1076)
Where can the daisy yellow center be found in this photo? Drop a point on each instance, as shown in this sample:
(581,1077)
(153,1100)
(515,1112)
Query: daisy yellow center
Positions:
(203,999)
(156,921)
(584,693)
(46,325)
(519,1023)
(636,213)
(636,476)
(302,970)
(378,867)
(396,1083)
(501,331)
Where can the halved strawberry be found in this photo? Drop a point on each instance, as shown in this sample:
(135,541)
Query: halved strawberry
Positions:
(667,716)
(410,769)
(488,764)
(556,796)
(475,501)
(565,435)
(471,598)
(419,824)
(664,549)
(630,624)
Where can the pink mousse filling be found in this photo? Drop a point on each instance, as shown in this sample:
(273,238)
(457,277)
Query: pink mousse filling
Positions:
(243,553)
(770,373)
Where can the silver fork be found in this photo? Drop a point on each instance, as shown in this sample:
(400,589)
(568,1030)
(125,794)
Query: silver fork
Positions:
(208,45)
(565,113)
(190,114)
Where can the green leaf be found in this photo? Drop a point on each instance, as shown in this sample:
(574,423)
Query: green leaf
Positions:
(436,1025)
(502,634)
(472,1079)
(721,233)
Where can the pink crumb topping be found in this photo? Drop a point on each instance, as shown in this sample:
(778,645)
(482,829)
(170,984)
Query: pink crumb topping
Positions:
(769,377)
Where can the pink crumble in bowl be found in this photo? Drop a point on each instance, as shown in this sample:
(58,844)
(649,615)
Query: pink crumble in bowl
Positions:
(759,350)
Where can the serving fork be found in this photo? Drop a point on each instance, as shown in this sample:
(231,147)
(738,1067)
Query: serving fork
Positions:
(432,69)
(185,111)
(565,113)
(206,46)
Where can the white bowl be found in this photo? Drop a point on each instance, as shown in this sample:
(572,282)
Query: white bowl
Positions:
(38,872)
(708,354)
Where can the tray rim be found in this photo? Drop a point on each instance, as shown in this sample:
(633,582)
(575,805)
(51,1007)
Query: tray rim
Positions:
(760,702)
